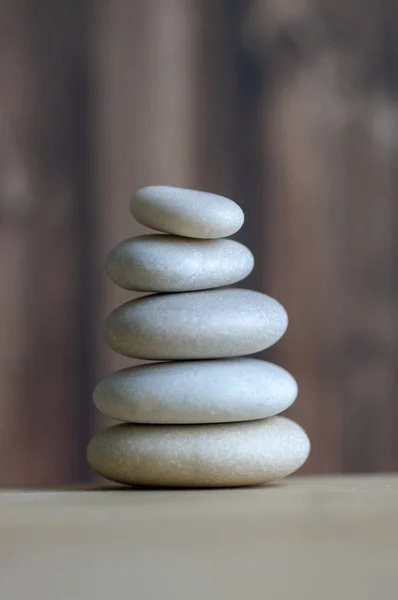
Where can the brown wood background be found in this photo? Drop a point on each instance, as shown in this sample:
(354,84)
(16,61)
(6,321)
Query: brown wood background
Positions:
(289,107)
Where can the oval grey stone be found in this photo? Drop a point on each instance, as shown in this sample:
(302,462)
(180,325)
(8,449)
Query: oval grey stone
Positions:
(166,263)
(206,391)
(189,213)
(207,324)
(222,455)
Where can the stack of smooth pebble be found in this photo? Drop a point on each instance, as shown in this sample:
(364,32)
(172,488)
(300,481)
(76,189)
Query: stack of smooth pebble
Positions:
(207,419)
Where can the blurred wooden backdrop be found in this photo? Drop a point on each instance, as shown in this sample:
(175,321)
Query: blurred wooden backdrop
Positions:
(287,106)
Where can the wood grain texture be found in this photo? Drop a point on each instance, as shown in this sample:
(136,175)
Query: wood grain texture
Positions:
(290,108)
(305,538)
(45,364)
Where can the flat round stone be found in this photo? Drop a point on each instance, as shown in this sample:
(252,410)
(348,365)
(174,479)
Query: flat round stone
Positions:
(189,213)
(167,263)
(222,455)
(205,391)
(208,324)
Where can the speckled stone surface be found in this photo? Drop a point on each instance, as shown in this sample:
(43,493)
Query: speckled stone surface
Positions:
(206,391)
(222,455)
(185,212)
(165,263)
(207,324)
(207,420)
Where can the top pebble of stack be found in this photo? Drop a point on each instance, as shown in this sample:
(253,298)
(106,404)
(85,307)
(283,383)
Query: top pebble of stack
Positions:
(187,213)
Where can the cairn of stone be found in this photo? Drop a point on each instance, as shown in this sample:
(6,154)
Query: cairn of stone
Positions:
(206,415)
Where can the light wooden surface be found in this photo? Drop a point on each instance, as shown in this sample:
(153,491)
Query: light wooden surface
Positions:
(306,538)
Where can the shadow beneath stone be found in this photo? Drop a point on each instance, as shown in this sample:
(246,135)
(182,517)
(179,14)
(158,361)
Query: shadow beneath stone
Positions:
(125,488)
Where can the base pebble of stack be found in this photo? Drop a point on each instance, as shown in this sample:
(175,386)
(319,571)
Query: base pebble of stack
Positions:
(209,419)
(227,455)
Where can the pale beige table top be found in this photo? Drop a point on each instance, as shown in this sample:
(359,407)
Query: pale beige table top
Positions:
(306,538)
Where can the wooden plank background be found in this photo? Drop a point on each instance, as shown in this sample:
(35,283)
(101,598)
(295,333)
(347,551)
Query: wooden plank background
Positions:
(287,106)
